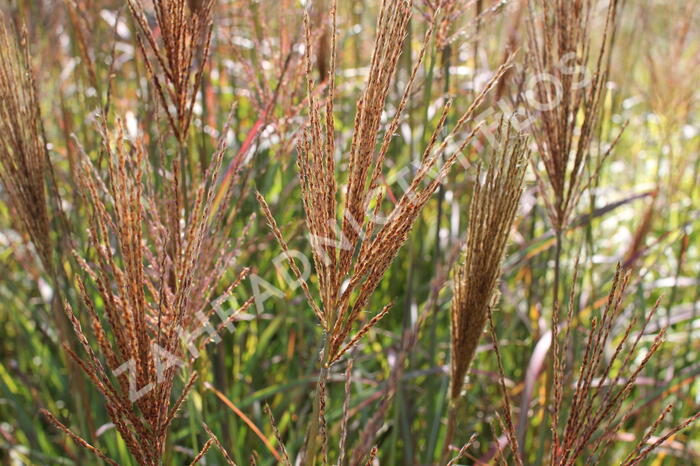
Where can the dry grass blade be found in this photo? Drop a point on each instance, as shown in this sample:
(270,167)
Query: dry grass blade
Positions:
(245,419)
(23,157)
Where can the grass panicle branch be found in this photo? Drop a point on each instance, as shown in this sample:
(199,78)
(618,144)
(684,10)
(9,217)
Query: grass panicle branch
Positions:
(587,410)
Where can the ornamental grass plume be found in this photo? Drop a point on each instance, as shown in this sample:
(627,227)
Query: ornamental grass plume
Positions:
(492,211)
(377,242)
(176,61)
(567,97)
(25,167)
(587,406)
(273,66)
(23,157)
(154,274)
(594,413)
(350,261)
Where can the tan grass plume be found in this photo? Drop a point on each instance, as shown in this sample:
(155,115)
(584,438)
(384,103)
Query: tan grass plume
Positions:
(567,97)
(23,157)
(350,259)
(491,214)
(492,211)
(176,61)
(375,238)
(154,271)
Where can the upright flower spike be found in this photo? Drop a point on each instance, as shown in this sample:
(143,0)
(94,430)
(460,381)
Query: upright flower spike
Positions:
(154,271)
(23,158)
(491,214)
(176,61)
(566,97)
(351,258)
(376,243)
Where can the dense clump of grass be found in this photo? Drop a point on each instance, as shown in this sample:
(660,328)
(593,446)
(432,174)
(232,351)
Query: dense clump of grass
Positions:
(205,332)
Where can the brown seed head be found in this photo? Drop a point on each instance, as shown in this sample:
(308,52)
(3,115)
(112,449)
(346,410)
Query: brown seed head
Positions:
(491,214)
(23,157)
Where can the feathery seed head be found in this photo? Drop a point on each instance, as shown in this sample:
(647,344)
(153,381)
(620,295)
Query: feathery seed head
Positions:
(23,157)
(492,211)
(569,97)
